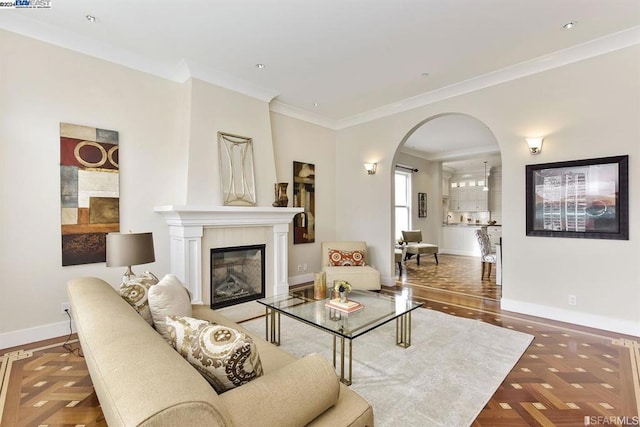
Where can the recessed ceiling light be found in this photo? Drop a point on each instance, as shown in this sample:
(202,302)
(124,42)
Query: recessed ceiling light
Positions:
(569,25)
(91,18)
(259,66)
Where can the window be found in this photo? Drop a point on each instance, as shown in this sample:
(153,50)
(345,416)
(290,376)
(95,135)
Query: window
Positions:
(403,202)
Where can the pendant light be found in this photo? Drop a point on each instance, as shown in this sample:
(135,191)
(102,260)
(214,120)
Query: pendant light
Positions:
(486,178)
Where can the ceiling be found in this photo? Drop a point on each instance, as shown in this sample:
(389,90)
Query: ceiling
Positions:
(341,62)
(331,61)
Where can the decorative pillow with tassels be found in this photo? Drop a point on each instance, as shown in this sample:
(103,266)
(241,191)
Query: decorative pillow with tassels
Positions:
(226,357)
(338,258)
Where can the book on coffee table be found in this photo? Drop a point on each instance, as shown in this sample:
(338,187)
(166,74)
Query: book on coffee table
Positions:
(345,307)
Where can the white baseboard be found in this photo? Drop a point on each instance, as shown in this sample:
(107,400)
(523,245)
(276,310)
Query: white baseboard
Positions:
(303,278)
(620,326)
(37,333)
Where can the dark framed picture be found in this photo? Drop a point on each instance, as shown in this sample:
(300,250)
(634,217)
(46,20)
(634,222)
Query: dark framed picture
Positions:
(579,199)
(422,205)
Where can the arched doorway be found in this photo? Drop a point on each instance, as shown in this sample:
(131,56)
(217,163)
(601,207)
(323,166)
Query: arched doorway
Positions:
(451,158)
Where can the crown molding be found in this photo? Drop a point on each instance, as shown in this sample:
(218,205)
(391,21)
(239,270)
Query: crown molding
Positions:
(304,115)
(185,69)
(467,153)
(28,27)
(600,46)
(192,69)
(179,72)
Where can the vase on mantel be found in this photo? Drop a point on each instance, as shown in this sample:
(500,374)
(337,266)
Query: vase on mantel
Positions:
(281,195)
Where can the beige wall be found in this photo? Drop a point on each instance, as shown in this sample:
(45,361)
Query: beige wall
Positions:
(295,140)
(168,155)
(167,135)
(41,86)
(586,109)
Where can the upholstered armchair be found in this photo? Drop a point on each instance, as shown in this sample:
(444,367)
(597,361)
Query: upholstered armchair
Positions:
(348,261)
(415,246)
(487,256)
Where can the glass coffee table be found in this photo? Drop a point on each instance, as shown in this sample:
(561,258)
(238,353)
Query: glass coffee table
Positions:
(378,310)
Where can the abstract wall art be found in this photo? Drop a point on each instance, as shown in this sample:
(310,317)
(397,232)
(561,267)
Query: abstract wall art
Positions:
(89,192)
(580,198)
(304,190)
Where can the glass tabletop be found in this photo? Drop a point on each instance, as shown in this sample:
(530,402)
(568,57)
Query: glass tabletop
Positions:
(378,310)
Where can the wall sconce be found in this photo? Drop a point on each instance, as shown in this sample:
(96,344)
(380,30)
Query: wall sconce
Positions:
(371,168)
(535,145)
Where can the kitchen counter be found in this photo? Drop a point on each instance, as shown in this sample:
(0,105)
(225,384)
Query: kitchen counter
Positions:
(460,239)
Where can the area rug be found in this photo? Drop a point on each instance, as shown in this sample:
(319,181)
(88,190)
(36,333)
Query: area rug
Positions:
(445,378)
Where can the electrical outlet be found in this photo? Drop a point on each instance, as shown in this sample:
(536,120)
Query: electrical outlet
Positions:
(64,307)
(304,267)
(299,267)
(573,300)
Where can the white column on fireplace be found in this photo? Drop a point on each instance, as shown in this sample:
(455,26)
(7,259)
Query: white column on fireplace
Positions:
(186,230)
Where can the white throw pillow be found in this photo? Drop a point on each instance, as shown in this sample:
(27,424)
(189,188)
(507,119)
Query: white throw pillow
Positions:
(168,297)
(226,357)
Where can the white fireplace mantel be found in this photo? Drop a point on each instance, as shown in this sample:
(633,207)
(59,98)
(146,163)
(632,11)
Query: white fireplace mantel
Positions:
(186,229)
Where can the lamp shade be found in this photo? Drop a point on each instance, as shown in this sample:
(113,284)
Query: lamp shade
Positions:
(129,249)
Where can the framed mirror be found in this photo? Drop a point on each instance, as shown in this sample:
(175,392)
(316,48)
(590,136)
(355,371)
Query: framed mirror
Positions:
(236,170)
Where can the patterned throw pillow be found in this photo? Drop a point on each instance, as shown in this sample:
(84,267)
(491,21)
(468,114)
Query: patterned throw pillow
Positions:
(340,258)
(225,357)
(136,292)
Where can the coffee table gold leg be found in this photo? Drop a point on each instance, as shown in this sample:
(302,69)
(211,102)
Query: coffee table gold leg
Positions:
(334,352)
(403,330)
(273,330)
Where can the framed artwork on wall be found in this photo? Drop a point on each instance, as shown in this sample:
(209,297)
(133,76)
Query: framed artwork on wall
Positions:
(304,190)
(89,192)
(579,199)
(422,205)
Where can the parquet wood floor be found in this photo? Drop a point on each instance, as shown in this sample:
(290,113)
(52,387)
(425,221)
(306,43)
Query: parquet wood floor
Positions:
(568,373)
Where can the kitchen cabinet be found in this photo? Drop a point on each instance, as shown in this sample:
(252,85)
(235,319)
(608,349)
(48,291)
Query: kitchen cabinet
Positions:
(460,240)
(468,199)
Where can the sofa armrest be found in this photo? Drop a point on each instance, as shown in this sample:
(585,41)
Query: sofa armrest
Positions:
(291,396)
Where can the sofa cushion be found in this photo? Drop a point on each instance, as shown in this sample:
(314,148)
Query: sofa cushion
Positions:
(168,298)
(135,292)
(346,258)
(226,357)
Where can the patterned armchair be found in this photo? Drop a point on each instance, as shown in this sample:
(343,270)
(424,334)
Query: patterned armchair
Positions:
(486,255)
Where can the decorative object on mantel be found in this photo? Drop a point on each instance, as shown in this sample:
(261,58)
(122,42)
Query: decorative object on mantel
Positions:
(236,170)
(89,192)
(127,249)
(319,285)
(581,199)
(422,205)
(281,195)
(304,196)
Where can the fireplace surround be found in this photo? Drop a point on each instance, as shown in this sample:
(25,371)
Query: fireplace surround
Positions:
(194,230)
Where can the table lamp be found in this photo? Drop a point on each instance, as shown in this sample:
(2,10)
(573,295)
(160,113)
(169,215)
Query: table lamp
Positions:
(127,249)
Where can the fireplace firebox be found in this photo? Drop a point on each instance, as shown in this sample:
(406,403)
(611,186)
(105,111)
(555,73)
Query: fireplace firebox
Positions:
(237,275)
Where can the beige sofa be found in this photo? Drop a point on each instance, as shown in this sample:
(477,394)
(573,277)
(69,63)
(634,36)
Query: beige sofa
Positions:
(361,277)
(141,380)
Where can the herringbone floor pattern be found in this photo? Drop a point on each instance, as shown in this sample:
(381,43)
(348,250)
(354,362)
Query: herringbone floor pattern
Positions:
(568,373)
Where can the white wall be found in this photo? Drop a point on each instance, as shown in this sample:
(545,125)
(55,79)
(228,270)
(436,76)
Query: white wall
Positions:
(168,155)
(296,140)
(41,86)
(586,109)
